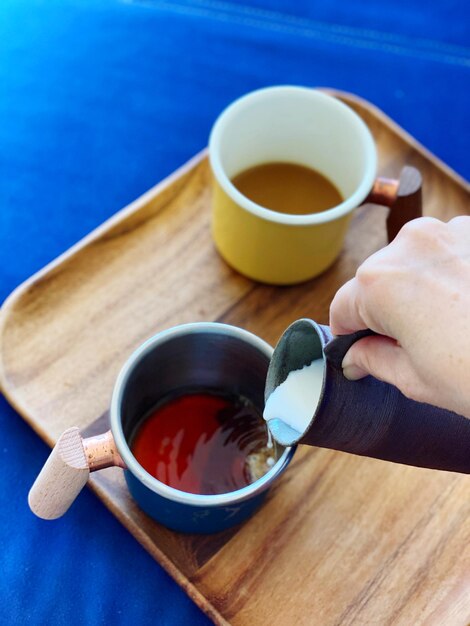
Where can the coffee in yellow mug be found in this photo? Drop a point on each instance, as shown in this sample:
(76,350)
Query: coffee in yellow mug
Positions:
(287,125)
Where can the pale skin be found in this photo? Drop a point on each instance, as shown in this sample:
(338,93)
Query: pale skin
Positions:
(416,294)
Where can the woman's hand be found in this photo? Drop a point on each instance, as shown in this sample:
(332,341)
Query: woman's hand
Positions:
(416,293)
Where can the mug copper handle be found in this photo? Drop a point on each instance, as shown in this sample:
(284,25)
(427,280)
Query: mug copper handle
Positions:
(66,471)
(402,195)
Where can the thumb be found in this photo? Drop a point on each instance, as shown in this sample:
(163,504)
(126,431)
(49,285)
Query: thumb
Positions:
(379,356)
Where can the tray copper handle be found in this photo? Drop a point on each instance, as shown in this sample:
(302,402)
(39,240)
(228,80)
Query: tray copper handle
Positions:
(403,196)
(66,471)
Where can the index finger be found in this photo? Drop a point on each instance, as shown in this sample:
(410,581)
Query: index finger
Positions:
(345,316)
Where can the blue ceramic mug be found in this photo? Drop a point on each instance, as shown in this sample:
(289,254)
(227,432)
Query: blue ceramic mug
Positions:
(199,356)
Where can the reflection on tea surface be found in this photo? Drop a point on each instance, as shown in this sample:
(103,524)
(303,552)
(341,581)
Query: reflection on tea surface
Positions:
(204,443)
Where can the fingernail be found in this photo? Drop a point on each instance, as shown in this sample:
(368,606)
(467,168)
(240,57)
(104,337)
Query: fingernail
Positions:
(353,372)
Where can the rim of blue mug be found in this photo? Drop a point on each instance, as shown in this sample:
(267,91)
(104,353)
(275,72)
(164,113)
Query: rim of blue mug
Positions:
(152,483)
(349,204)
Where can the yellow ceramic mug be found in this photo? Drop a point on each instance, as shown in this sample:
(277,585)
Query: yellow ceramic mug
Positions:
(297,125)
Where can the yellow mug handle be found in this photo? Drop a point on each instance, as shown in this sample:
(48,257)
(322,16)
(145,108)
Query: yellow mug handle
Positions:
(403,196)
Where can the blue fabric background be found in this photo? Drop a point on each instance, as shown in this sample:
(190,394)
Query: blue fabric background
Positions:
(100,99)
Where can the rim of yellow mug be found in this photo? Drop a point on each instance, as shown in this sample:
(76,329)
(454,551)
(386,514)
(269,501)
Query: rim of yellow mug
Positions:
(351,202)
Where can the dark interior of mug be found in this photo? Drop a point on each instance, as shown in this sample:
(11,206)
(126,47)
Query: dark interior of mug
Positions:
(299,346)
(194,360)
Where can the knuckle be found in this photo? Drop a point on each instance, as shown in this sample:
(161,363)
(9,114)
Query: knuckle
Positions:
(460,223)
(366,273)
(369,271)
(460,219)
(372,278)
(421,227)
(424,233)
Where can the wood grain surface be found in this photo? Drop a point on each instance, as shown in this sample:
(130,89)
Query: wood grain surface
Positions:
(341,539)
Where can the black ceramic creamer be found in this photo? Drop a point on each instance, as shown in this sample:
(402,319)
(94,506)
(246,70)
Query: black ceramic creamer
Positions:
(365,417)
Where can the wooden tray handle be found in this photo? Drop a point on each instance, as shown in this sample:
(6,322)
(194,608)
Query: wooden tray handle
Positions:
(403,196)
(66,471)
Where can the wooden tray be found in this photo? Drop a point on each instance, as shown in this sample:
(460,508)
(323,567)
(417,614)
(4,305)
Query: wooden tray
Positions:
(342,539)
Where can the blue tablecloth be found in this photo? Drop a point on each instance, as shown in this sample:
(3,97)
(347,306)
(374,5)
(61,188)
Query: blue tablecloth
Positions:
(99,99)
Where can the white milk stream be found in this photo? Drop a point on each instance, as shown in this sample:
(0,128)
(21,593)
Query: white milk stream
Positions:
(295,400)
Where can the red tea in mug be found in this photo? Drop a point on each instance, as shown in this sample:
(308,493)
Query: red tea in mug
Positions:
(204,443)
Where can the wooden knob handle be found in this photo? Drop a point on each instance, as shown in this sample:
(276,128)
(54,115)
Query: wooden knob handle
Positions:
(403,196)
(67,469)
(63,476)
(408,202)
